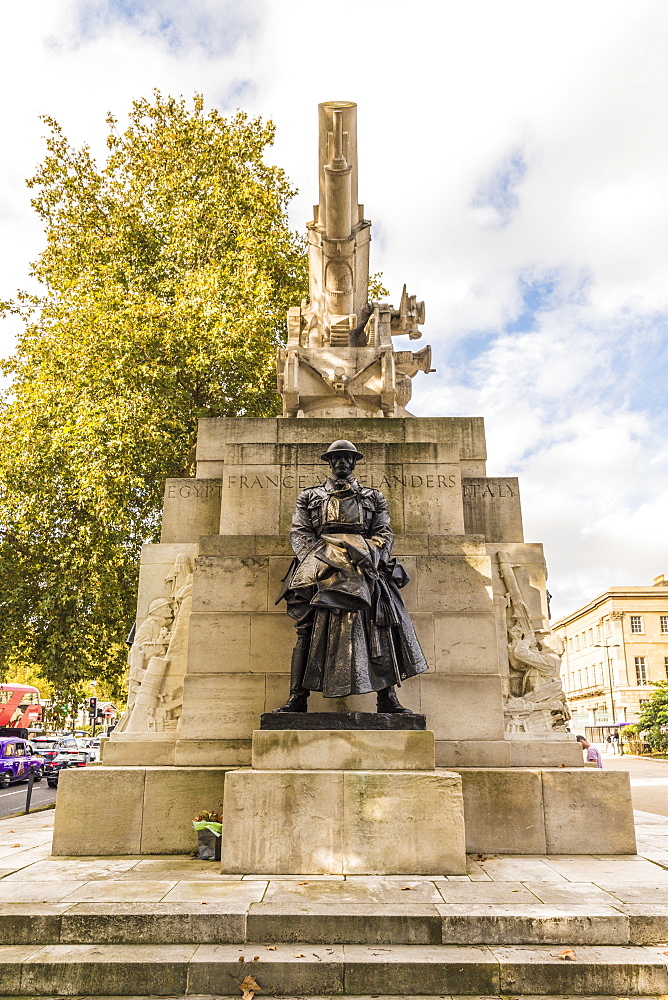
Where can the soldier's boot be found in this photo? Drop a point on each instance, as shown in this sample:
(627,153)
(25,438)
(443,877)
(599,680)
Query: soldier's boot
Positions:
(388,702)
(298,698)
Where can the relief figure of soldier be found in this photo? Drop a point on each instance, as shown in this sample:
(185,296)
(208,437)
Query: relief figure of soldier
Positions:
(354,634)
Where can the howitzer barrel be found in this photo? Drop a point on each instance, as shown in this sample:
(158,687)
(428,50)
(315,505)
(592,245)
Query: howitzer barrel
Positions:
(337,167)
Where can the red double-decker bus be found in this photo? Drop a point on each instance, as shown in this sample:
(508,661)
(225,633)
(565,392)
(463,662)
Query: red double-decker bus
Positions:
(19,706)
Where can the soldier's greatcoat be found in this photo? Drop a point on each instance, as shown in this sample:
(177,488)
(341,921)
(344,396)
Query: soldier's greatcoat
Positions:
(343,590)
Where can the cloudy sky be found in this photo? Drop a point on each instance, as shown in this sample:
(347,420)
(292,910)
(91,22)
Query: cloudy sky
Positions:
(514,162)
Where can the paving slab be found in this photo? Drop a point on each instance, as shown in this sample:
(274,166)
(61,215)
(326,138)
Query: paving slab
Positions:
(111,891)
(643,892)
(570,893)
(359,890)
(606,970)
(521,869)
(407,970)
(52,869)
(648,923)
(39,892)
(609,869)
(482,893)
(343,923)
(71,969)
(287,969)
(232,893)
(539,924)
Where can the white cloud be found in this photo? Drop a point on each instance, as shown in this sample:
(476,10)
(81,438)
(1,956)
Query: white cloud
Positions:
(570,251)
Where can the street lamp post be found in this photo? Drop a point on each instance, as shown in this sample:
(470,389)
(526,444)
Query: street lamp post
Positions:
(608,646)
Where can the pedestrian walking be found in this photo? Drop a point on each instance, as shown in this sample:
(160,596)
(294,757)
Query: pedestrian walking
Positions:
(593,756)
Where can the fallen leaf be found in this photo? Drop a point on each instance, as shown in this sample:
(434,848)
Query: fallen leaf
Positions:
(249,988)
(514,890)
(302,883)
(203,903)
(256,958)
(271,947)
(16,845)
(299,954)
(316,956)
(405,887)
(568,955)
(241,958)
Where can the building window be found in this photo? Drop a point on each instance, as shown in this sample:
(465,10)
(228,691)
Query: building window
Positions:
(591,636)
(664,624)
(665,663)
(641,670)
(599,633)
(600,672)
(636,624)
(608,627)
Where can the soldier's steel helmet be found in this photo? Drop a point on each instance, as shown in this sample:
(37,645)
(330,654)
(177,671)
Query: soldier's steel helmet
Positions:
(340,446)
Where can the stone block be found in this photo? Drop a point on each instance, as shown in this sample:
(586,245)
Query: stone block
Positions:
(532,924)
(216,753)
(215,433)
(503,811)
(432,499)
(283,822)
(327,922)
(191,508)
(219,642)
(230,584)
(25,923)
(11,957)
(151,923)
(454,583)
(528,562)
(140,751)
(413,970)
(462,706)
(222,706)
(250,500)
(492,508)
(588,812)
(544,753)
(472,753)
(602,971)
(403,823)
(341,750)
(273,638)
(87,797)
(216,970)
(465,643)
(172,796)
(423,623)
(112,970)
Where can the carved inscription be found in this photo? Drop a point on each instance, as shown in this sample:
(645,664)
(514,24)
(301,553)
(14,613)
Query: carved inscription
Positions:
(491,490)
(199,490)
(302,482)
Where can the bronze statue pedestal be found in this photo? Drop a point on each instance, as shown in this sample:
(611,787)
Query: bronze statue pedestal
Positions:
(342,720)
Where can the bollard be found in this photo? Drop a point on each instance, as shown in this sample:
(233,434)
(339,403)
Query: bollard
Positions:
(31,782)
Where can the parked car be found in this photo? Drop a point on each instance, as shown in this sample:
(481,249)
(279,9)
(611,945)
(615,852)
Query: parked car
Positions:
(17,760)
(50,746)
(65,759)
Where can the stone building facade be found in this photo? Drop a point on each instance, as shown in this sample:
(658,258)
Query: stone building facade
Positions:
(616,647)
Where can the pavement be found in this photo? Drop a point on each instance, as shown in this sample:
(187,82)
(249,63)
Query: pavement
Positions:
(649,779)
(544,925)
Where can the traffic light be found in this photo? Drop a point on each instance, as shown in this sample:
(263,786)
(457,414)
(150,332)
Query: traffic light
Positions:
(92,706)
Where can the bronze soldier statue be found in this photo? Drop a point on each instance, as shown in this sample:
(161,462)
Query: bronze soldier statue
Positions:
(354,634)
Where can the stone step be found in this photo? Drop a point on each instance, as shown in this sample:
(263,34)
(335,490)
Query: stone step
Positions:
(308,970)
(331,923)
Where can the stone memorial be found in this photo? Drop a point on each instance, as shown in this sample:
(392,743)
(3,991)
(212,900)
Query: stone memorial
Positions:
(477,751)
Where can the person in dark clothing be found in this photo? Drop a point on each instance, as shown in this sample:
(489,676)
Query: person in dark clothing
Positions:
(354,634)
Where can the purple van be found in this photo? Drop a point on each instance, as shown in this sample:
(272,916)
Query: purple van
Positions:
(17,759)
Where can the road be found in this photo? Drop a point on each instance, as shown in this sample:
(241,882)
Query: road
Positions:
(13,799)
(649,780)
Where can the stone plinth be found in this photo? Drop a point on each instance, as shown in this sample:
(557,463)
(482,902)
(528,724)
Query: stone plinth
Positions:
(342,720)
(346,750)
(390,814)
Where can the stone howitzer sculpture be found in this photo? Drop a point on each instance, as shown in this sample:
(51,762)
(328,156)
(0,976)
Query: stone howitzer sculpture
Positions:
(339,359)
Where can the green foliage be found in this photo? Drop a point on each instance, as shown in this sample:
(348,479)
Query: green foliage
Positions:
(653,721)
(377,290)
(166,276)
